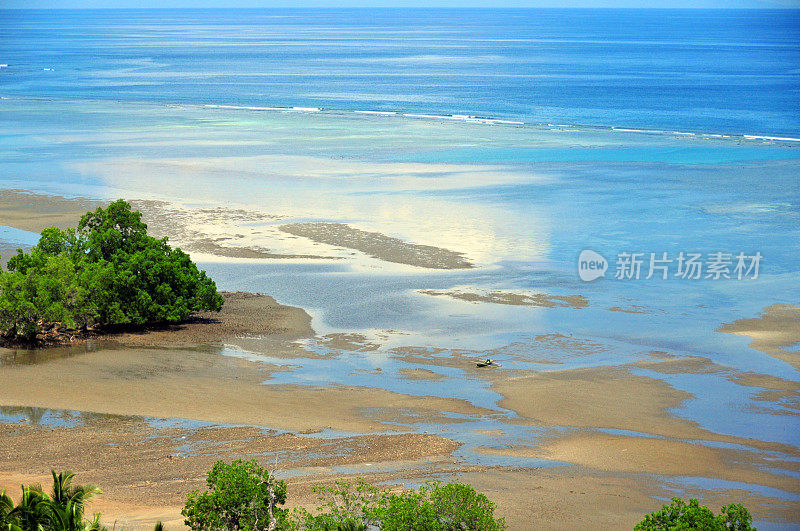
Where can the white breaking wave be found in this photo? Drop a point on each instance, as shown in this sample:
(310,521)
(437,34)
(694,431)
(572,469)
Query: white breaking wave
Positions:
(462,118)
(467,118)
(781,138)
(254,108)
(705,135)
(379,113)
(246,107)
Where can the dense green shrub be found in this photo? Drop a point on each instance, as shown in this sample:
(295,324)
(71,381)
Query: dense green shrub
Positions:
(432,507)
(107,272)
(343,507)
(679,516)
(241,497)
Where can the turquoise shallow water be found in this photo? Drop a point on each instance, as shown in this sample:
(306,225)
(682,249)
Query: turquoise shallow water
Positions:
(520,201)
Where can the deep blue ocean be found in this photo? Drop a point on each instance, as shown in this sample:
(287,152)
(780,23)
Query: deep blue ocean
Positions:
(712,71)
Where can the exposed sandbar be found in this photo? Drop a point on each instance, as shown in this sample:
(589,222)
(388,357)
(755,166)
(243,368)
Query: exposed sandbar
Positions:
(610,398)
(180,372)
(243,314)
(35,212)
(379,245)
(574,497)
(607,397)
(420,374)
(514,299)
(773,389)
(776,328)
(184,227)
(660,456)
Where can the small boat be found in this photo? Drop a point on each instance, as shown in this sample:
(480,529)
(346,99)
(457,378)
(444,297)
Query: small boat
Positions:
(486,363)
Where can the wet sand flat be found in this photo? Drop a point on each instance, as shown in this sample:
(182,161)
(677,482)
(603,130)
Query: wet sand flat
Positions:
(542,300)
(187,377)
(614,434)
(574,497)
(179,372)
(33,212)
(185,227)
(773,389)
(777,328)
(243,314)
(613,398)
(379,245)
(661,456)
(597,397)
(204,385)
(200,383)
(146,469)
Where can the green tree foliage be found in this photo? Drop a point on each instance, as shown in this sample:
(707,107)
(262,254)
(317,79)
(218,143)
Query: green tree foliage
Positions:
(241,496)
(107,272)
(344,507)
(433,507)
(681,516)
(7,522)
(62,510)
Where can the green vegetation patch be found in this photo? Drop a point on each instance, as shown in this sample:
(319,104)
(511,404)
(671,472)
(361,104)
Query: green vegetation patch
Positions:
(679,516)
(243,496)
(108,271)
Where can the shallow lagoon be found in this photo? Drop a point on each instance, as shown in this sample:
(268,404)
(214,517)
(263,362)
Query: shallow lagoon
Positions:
(521,201)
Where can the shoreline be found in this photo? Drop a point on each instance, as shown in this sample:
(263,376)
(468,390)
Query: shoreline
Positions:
(246,313)
(546,445)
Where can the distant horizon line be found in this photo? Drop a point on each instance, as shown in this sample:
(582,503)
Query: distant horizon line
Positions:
(483,8)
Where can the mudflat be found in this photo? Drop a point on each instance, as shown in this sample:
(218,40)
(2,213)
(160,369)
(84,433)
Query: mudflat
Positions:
(145,413)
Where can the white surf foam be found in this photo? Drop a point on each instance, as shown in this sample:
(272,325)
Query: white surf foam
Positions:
(779,138)
(468,118)
(379,113)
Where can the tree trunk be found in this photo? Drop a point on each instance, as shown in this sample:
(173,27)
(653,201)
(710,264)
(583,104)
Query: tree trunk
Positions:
(273,523)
